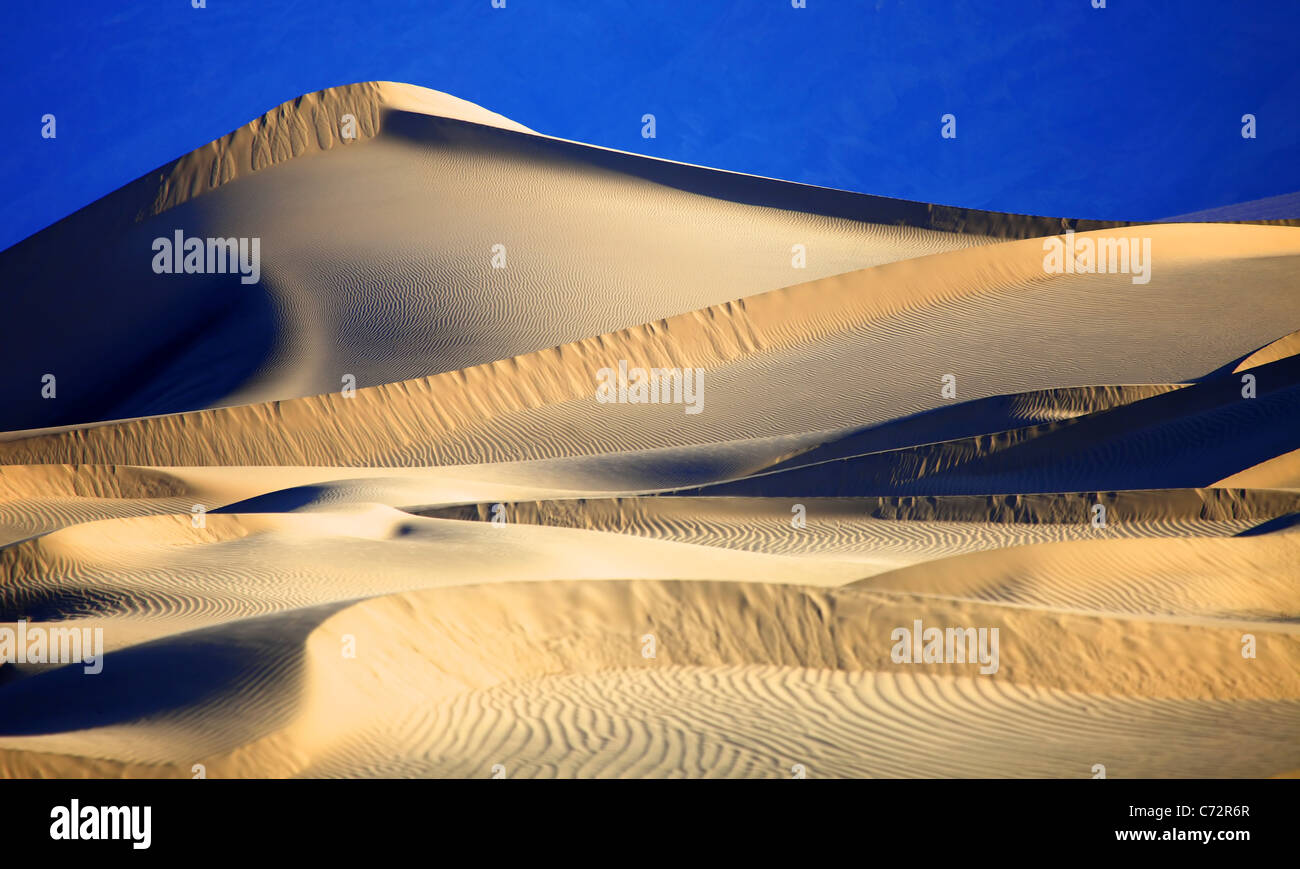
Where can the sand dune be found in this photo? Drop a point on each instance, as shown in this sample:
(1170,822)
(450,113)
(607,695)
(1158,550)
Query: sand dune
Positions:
(1282,348)
(904,530)
(1279,472)
(549,679)
(1186,438)
(1069,330)
(473,566)
(390,270)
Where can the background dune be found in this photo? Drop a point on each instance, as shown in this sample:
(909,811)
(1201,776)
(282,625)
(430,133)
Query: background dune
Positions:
(384,270)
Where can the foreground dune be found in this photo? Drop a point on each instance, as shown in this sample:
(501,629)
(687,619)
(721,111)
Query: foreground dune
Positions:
(550,679)
(472,565)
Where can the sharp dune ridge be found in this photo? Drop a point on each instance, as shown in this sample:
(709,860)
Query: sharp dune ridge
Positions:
(748,347)
(353,284)
(469,562)
(1166,440)
(1156,512)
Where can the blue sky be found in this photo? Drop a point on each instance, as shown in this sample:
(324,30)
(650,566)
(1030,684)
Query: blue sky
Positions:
(1131,112)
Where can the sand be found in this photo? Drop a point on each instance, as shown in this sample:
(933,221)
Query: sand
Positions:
(471,566)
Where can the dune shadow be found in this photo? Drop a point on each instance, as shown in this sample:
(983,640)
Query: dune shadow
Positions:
(280,501)
(1279,523)
(194,670)
(52,605)
(120,340)
(1187,438)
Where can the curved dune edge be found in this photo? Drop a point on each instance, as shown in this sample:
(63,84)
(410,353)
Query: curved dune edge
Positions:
(136,718)
(727,634)
(308,124)
(429,650)
(362,245)
(87,481)
(1280,472)
(1287,345)
(404,423)
(1174,439)
(1211,504)
(37,499)
(380,261)
(146,577)
(311,123)
(903,530)
(1004,418)
(1168,577)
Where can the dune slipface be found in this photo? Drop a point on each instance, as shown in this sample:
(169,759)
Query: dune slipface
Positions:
(392,438)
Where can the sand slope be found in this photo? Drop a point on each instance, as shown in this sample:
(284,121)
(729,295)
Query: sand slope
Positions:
(380,258)
(880,341)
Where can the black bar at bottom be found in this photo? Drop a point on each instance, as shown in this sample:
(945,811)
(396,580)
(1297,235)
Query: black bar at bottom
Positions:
(618,820)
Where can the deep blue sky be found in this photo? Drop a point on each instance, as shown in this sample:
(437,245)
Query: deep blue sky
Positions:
(1131,112)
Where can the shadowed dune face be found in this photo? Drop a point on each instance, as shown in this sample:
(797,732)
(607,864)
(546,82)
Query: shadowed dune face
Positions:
(880,341)
(477,564)
(1188,438)
(906,529)
(425,244)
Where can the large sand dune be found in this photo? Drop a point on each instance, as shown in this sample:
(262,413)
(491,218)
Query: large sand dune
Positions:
(473,566)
